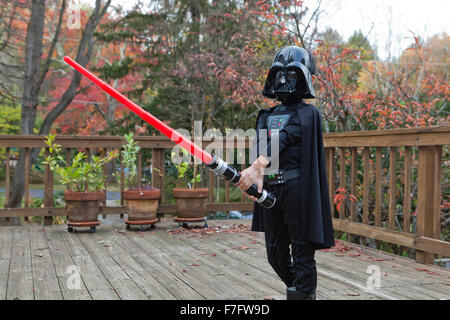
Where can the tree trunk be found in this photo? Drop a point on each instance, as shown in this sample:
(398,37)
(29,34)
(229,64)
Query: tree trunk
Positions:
(34,78)
(33,56)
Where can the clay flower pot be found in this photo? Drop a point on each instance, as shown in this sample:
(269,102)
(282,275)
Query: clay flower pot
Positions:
(190,203)
(142,205)
(82,206)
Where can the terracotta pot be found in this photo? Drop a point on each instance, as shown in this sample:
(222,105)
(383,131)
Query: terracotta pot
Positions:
(190,203)
(142,205)
(82,206)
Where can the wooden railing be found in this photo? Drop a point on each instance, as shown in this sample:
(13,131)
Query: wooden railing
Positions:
(92,144)
(389,211)
(418,150)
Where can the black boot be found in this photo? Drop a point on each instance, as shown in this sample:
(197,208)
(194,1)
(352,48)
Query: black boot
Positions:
(293,294)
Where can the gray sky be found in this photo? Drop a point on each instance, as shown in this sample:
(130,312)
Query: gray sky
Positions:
(386,21)
(389,24)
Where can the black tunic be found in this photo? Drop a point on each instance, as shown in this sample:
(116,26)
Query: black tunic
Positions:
(314,212)
(284,123)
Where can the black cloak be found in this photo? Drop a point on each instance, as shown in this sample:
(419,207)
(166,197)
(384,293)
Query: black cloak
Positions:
(313,193)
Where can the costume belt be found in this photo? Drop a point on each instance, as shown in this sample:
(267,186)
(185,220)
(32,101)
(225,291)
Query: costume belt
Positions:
(281,176)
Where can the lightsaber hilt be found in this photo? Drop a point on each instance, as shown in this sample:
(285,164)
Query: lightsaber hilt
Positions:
(221,168)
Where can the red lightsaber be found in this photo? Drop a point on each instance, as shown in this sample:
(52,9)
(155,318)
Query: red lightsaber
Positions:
(217,165)
(172,134)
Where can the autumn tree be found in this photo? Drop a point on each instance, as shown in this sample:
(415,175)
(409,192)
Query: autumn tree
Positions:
(41,56)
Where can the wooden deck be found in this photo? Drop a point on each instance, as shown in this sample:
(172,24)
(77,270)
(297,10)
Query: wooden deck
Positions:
(226,262)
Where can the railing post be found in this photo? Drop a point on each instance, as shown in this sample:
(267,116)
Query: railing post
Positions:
(139,167)
(105,173)
(392,186)
(378,181)
(27,179)
(122,181)
(428,197)
(48,190)
(158,174)
(8,179)
(407,191)
(331,173)
(366,185)
(342,179)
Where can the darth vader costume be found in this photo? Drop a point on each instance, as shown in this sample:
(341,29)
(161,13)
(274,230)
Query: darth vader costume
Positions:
(300,221)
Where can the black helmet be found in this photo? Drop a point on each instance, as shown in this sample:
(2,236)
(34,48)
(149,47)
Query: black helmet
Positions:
(289,77)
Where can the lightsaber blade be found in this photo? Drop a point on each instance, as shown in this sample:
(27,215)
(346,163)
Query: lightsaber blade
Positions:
(217,165)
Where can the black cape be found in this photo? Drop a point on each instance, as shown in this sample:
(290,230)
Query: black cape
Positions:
(314,185)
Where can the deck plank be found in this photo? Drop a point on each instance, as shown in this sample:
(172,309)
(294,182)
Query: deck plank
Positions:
(397,280)
(98,286)
(123,285)
(45,280)
(6,241)
(230,268)
(172,281)
(72,287)
(20,281)
(119,264)
(192,262)
(140,275)
(246,252)
(187,274)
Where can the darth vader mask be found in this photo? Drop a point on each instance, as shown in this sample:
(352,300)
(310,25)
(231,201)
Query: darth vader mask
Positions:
(289,78)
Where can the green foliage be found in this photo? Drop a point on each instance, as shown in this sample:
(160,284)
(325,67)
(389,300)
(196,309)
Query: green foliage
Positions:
(185,171)
(10,119)
(115,70)
(80,175)
(129,156)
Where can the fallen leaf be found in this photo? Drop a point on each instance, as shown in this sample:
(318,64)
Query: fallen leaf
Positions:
(214,254)
(244,248)
(353,294)
(184,271)
(171,263)
(427,271)
(196,264)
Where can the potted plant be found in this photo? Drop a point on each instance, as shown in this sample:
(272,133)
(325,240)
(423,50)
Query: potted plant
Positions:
(142,199)
(190,202)
(85,180)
